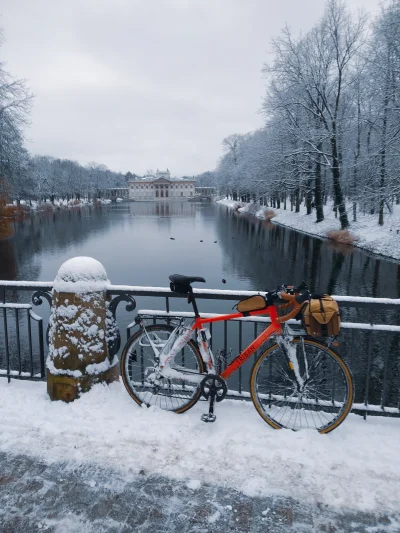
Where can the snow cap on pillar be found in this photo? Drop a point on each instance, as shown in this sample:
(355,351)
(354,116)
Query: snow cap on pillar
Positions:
(81,274)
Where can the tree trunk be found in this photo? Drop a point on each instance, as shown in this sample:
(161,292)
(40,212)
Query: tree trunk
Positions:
(357,155)
(318,189)
(337,189)
(309,195)
(297,200)
(383,160)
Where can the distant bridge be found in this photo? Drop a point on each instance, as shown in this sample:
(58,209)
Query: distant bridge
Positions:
(205,192)
(116,192)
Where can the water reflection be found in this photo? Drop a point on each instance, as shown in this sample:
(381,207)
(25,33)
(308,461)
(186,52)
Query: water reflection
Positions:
(163,209)
(270,254)
(8,268)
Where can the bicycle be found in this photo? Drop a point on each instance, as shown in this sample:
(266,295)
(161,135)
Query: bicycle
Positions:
(298,382)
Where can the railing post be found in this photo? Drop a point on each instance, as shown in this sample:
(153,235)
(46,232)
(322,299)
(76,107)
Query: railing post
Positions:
(78,351)
(385,372)
(369,362)
(41,349)
(6,343)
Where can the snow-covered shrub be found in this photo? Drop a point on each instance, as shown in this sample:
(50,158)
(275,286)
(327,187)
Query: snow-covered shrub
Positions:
(269,214)
(342,236)
(250,209)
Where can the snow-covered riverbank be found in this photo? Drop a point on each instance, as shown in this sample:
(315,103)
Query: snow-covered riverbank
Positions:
(383,240)
(59,203)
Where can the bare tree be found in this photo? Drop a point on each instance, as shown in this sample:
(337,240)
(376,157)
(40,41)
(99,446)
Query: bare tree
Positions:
(15,104)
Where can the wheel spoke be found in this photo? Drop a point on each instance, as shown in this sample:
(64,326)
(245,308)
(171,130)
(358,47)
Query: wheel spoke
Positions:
(319,404)
(146,384)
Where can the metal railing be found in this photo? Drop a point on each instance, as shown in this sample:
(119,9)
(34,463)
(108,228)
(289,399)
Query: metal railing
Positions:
(15,317)
(369,342)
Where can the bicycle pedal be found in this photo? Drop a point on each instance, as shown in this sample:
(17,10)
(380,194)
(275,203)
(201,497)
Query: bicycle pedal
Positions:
(208,417)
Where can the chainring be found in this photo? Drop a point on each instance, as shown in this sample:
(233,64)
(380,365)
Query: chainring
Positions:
(214,385)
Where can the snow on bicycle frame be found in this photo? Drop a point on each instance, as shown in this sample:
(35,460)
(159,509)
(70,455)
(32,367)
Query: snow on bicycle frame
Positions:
(181,285)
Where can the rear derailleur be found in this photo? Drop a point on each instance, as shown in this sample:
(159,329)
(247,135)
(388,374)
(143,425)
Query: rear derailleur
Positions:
(214,389)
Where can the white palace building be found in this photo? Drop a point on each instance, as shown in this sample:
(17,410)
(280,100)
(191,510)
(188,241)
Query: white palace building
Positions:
(160,186)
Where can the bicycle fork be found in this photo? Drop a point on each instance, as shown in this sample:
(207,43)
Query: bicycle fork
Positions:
(289,349)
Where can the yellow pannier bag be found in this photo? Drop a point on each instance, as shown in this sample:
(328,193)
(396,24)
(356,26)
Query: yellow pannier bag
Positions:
(321,317)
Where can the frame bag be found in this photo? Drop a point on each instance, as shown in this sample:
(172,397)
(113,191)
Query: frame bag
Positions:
(252,303)
(321,317)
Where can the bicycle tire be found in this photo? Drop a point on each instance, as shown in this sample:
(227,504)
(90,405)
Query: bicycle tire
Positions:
(268,401)
(140,392)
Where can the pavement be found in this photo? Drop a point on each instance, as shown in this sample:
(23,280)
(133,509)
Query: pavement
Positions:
(62,498)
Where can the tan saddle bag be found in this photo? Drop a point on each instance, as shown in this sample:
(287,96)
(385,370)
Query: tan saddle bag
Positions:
(321,317)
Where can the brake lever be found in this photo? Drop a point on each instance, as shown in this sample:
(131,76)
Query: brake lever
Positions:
(303,296)
(303,285)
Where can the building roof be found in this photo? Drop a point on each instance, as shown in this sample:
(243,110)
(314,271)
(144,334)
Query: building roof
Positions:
(153,179)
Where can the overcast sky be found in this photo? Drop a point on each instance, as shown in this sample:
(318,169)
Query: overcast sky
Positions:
(146,84)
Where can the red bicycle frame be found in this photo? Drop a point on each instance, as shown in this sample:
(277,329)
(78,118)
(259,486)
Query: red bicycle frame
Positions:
(275,327)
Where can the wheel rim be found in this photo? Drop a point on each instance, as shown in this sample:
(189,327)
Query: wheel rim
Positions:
(324,400)
(146,383)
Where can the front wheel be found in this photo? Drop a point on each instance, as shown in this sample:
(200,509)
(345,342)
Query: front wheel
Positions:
(325,398)
(139,371)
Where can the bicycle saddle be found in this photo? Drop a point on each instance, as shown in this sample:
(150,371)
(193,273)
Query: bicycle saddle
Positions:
(184,280)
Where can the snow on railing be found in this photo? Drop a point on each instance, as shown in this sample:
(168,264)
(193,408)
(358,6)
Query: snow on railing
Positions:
(165,291)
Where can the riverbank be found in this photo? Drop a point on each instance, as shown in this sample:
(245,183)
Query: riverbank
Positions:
(57,204)
(382,240)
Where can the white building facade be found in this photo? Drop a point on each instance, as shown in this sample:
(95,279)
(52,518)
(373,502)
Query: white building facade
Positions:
(160,187)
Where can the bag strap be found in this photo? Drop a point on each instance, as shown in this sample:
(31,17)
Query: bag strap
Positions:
(321,306)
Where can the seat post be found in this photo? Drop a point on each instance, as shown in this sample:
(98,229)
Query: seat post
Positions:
(192,300)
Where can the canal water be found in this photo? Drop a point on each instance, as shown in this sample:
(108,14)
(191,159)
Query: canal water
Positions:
(142,243)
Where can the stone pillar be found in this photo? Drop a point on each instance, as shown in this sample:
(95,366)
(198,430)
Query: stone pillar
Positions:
(78,353)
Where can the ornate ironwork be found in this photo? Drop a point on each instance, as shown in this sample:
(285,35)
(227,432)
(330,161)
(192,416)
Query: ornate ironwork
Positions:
(113,333)
(37,297)
(131,305)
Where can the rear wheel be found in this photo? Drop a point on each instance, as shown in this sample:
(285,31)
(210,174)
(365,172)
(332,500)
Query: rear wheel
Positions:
(146,385)
(325,399)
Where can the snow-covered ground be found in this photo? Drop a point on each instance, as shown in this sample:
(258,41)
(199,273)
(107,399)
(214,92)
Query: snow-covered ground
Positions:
(59,203)
(383,240)
(355,467)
